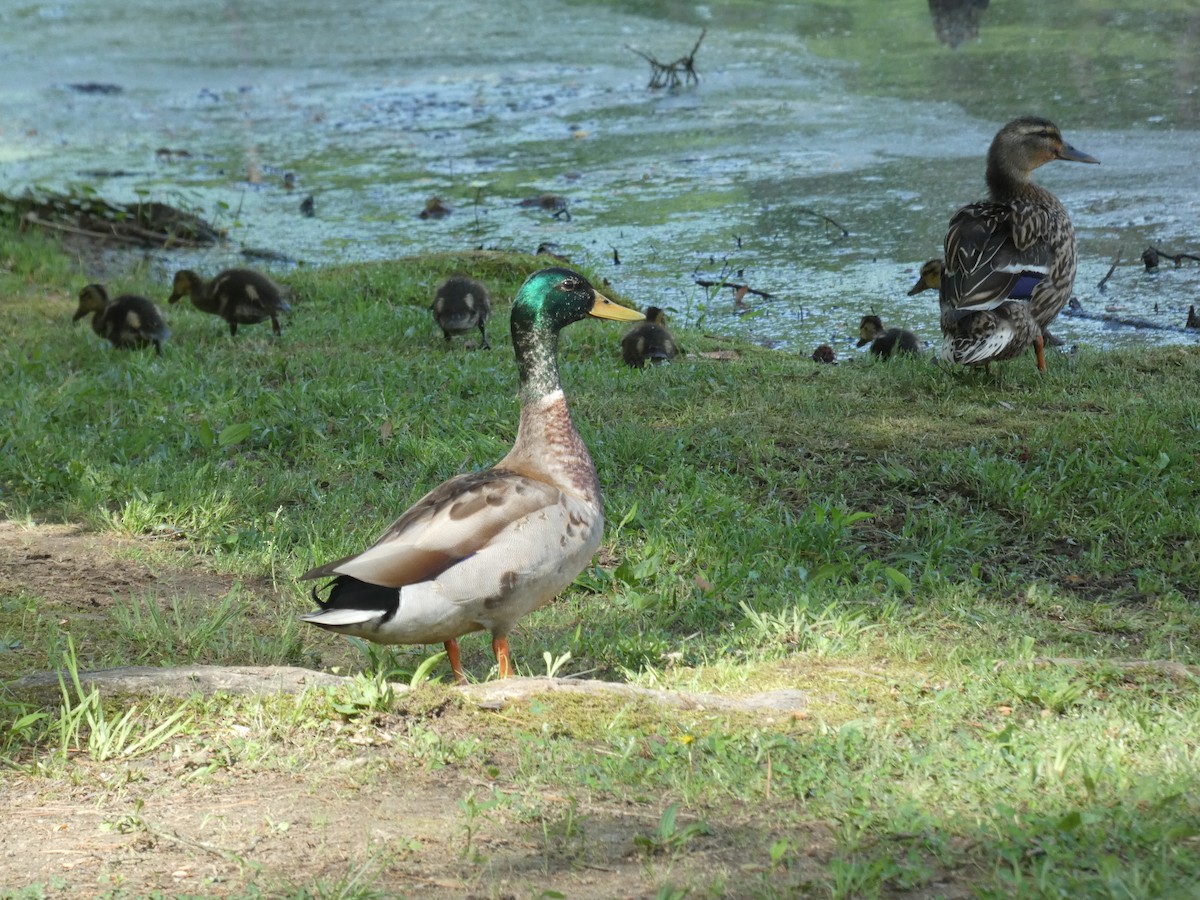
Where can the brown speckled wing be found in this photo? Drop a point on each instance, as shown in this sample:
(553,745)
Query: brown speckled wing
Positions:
(988,246)
(449,524)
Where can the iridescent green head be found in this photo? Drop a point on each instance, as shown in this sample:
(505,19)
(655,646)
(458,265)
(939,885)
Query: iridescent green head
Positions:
(553,298)
(548,301)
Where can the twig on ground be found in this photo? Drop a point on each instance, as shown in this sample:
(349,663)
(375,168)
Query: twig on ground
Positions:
(1175,670)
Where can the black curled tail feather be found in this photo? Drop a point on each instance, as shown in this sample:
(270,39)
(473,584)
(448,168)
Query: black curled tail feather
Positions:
(347,592)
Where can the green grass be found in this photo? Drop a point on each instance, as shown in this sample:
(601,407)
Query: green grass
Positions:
(907,545)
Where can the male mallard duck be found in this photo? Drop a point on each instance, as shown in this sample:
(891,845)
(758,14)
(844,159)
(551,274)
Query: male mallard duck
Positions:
(484,548)
(885,342)
(649,341)
(1020,239)
(239,296)
(461,305)
(128,322)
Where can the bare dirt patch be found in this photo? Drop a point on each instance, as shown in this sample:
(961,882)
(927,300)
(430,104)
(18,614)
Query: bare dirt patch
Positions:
(354,809)
(86,572)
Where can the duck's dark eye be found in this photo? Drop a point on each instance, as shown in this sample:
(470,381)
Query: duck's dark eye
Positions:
(569,284)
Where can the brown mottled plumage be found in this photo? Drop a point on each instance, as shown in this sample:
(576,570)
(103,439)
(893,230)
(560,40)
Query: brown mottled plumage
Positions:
(1010,260)
(930,279)
(649,341)
(129,322)
(239,296)
(485,548)
(461,305)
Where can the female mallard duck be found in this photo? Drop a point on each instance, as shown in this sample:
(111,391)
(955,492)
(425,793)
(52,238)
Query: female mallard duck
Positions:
(461,305)
(649,341)
(129,322)
(885,342)
(239,296)
(930,279)
(484,548)
(1010,259)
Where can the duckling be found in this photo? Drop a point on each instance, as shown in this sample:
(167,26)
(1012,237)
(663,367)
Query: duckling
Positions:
(461,305)
(824,354)
(1193,320)
(129,322)
(483,549)
(239,296)
(1021,233)
(930,278)
(649,341)
(886,342)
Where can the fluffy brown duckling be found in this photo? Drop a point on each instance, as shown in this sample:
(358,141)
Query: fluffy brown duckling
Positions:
(239,296)
(649,341)
(930,278)
(461,305)
(129,322)
(885,342)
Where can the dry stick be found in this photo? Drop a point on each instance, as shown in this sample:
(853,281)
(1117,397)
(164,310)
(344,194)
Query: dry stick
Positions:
(703,282)
(1104,281)
(1167,667)
(820,215)
(165,239)
(33,219)
(163,834)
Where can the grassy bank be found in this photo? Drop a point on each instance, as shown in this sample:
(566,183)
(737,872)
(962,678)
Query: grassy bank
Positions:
(911,547)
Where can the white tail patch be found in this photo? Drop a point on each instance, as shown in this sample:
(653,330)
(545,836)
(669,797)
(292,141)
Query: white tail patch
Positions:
(338,617)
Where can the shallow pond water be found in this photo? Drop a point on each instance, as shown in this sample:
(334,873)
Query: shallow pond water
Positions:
(853,110)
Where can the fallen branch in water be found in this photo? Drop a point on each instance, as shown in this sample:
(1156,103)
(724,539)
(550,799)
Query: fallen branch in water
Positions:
(138,224)
(820,215)
(734,286)
(1151,256)
(1107,275)
(667,74)
(1126,321)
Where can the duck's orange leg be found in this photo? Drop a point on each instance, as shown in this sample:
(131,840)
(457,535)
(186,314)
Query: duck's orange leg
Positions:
(1039,350)
(503,658)
(455,662)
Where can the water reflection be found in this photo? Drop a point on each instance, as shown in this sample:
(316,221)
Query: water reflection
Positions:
(956,21)
(852,111)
